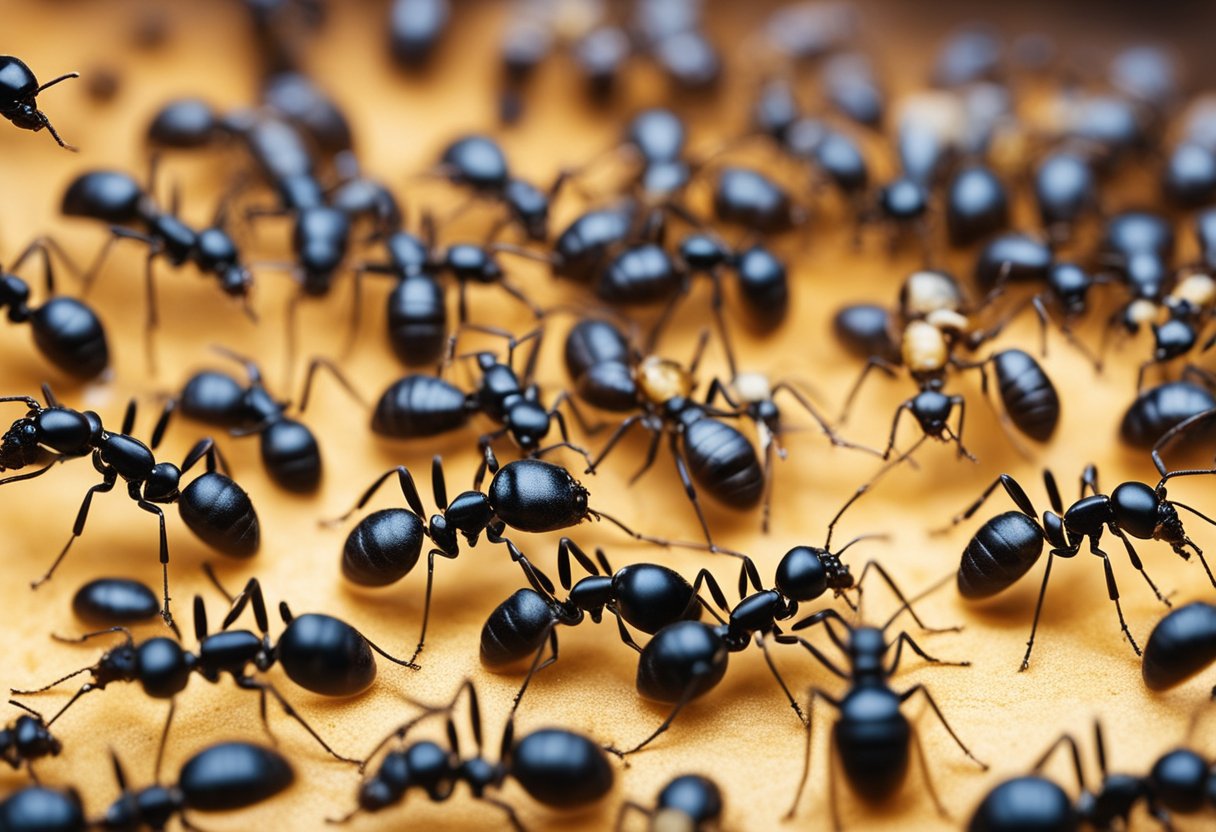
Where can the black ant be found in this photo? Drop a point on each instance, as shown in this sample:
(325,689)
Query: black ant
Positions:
(213,506)
(558,768)
(1008,545)
(690,801)
(871,736)
(66,330)
(19,90)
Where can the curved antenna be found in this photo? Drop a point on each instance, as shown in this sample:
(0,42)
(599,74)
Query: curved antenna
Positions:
(908,602)
(861,490)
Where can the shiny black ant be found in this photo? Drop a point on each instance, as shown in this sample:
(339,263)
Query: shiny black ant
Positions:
(558,768)
(115,198)
(288,447)
(477,163)
(871,736)
(1008,545)
(19,90)
(318,652)
(416,309)
(66,330)
(690,801)
(529,495)
(213,506)
(1180,781)
(417,406)
(220,778)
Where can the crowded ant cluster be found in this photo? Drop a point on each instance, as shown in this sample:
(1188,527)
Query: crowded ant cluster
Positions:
(624,383)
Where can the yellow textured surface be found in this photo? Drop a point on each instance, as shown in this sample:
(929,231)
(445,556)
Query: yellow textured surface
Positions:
(742,734)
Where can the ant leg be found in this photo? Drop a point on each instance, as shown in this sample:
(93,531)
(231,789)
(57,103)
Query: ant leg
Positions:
(408,490)
(267,688)
(81,639)
(1038,608)
(515,292)
(903,600)
(512,818)
(1012,488)
(690,490)
(426,608)
(539,453)
(961,404)
(565,398)
(828,430)
(662,541)
(152,317)
(82,517)
(689,693)
(33,474)
(715,591)
(766,500)
(872,362)
(814,651)
(768,659)
(164,553)
(816,693)
(899,412)
(1064,739)
(924,767)
(627,807)
(319,363)
(920,688)
(620,431)
(88,687)
(550,641)
(1138,565)
(60,680)
(164,735)
(626,638)
(117,233)
(1112,591)
(903,639)
(652,451)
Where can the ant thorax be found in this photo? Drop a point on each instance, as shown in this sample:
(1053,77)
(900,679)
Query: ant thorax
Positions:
(924,348)
(1195,290)
(752,388)
(661,379)
(927,292)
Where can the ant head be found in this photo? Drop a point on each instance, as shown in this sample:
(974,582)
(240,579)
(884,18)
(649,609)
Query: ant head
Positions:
(120,664)
(530,206)
(163,483)
(1138,509)
(236,281)
(19,446)
(703,252)
(379,792)
(14,293)
(932,409)
(33,737)
(805,573)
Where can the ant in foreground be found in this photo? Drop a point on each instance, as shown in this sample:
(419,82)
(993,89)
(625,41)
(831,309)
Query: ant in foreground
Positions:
(1008,545)
(1182,644)
(220,778)
(1180,781)
(19,90)
(871,736)
(529,495)
(213,506)
(556,767)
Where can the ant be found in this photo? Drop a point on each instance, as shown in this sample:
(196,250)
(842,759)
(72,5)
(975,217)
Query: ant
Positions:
(220,778)
(934,323)
(1179,781)
(36,808)
(558,768)
(1182,644)
(289,449)
(19,90)
(690,802)
(529,495)
(318,652)
(688,658)
(417,405)
(213,506)
(417,309)
(116,198)
(415,29)
(66,330)
(27,739)
(1160,409)
(477,163)
(871,736)
(1008,545)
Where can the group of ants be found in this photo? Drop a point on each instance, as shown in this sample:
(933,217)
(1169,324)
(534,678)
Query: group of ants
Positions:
(620,252)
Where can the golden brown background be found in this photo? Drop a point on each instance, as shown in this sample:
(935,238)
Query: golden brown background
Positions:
(742,734)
